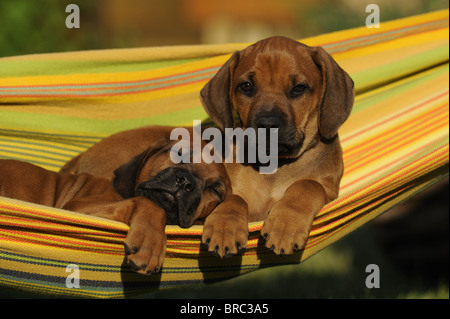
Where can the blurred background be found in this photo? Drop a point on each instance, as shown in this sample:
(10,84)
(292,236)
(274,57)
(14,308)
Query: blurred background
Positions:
(410,243)
(37,26)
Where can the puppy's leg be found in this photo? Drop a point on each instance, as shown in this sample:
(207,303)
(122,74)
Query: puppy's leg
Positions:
(225,231)
(145,245)
(287,227)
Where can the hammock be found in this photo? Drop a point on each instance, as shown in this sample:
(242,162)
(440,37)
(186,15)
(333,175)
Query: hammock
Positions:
(54,106)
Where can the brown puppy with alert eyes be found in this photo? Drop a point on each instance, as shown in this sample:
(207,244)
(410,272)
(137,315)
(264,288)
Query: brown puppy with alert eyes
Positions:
(147,192)
(274,83)
(300,90)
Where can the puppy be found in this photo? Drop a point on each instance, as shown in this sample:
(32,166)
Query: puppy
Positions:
(275,83)
(188,192)
(304,94)
(147,192)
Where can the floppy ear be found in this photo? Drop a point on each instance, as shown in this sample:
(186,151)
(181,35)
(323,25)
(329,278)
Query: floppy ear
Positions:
(215,95)
(125,176)
(338,94)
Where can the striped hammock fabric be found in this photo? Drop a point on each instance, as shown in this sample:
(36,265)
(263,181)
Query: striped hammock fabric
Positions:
(54,106)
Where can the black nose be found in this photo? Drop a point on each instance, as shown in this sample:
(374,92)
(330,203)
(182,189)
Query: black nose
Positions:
(185,181)
(269,122)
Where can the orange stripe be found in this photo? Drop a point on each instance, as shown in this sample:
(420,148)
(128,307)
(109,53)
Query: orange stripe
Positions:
(22,223)
(409,173)
(323,237)
(363,200)
(59,240)
(383,34)
(357,214)
(374,153)
(112,88)
(353,151)
(188,74)
(387,151)
(109,252)
(386,166)
(58,218)
(442,151)
(336,210)
(431,127)
(395,116)
(104,94)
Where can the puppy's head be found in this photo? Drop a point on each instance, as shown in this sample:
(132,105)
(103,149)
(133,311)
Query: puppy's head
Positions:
(187,192)
(281,83)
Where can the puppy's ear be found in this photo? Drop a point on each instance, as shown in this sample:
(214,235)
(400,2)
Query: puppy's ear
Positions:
(125,176)
(215,95)
(338,94)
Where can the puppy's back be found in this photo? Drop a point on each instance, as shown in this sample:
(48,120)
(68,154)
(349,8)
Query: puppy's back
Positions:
(27,182)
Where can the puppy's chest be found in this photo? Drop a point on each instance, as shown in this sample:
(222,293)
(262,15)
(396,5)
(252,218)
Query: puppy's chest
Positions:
(260,191)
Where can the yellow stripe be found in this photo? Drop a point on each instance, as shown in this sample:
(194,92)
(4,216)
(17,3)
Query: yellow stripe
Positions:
(365,58)
(340,36)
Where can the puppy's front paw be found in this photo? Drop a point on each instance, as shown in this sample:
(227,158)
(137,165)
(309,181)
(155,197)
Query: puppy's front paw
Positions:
(145,248)
(225,231)
(284,232)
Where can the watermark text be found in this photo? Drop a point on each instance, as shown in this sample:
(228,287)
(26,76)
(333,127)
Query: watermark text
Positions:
(236,146)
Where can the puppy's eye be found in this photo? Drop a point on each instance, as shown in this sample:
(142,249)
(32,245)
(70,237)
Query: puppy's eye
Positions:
(298,90)
(247,88)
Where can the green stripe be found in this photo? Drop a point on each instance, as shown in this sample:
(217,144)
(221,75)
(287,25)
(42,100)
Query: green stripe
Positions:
(400,88)
(57,285)
(374,77)
(381,37)
(38,147)
(148,82)
(107,88)
(12,68)
(55,263)
(41,156)
(94,127)
(65,138)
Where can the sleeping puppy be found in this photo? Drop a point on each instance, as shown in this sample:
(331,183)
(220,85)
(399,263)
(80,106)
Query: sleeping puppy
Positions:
(147,192)
(187,192)
(276,83)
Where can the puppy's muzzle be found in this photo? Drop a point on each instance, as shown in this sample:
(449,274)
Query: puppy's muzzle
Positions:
(289,139)
(177,191)
(268,122)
